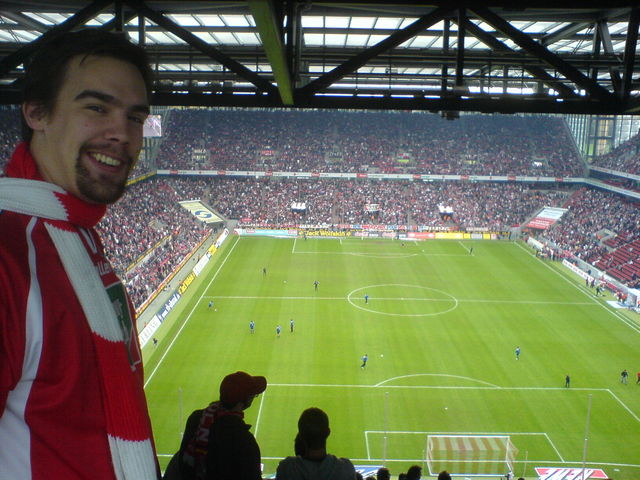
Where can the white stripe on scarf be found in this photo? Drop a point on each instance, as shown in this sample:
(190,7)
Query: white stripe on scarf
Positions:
(132,460)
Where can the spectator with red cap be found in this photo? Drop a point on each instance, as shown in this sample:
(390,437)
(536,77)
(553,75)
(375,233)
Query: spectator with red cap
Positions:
(217,443)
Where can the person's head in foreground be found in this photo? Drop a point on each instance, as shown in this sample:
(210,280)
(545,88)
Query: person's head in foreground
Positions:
(85,100)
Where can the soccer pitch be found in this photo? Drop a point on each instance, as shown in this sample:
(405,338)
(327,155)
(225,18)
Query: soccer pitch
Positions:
(440,328)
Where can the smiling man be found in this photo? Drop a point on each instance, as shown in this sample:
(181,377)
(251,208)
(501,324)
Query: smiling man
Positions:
(72,403)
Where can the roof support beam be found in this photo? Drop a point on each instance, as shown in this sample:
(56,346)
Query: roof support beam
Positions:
(199,44)
(563,33)
(445,49)
(460,48)
(294,41)
(537,72)
(593,88)
(83,15)
(511,105)
(362,58)
(264,15)
(26,21)
(630,52)
(607,44)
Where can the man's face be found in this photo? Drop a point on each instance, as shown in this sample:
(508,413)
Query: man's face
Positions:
(91,139)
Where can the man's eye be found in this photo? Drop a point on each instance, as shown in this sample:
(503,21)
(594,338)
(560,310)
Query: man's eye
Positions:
(137,120)
(96,108)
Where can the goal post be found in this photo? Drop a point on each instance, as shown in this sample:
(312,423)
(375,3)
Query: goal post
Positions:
(470,455)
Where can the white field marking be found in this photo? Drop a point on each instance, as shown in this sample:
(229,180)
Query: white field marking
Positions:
(392,256)
(578,463)
(521,302)
(435,375)
(436,387)
(255,432)
(293,249)
(554,447)
(587,293)
(488,434)
(366,443)
(453,434)
(418,460)
(371,310)
(191,313)
(624,406)
(463,246)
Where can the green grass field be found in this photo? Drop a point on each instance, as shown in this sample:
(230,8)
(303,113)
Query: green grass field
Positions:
(440,329)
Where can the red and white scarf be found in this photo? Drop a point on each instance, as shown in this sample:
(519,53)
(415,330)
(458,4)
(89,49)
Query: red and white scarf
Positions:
(195,452)
(127,420)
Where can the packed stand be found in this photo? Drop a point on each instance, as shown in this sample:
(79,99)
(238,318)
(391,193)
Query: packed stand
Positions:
(603,229)
(147,234)
(624,158)
(367,142)
(268,202)
(9,134)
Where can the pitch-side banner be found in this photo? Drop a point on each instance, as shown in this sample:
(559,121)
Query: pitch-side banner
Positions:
(555,473)
(200,211)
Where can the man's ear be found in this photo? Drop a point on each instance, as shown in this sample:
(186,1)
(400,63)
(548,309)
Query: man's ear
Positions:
(34,114)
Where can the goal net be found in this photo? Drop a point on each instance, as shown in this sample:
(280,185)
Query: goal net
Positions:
(468,455)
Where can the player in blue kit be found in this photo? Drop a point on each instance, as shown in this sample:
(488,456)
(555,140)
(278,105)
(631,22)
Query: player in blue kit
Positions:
(517,353)
(365,357)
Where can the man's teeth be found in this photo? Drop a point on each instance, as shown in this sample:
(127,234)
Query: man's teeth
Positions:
(106,160)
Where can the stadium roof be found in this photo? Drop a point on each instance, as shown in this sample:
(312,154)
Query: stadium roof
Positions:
(446,56)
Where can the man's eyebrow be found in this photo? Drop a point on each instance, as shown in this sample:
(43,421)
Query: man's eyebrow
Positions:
(106,98)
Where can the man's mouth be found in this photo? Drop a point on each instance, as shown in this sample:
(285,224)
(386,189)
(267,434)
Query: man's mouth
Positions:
(106,160)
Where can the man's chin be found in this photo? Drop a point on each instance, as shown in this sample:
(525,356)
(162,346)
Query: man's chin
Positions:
(102,194)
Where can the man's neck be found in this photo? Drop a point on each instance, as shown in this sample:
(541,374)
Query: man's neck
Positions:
(315,454)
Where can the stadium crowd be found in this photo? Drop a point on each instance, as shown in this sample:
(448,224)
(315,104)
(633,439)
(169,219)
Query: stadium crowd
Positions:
(268,202)
(147,234)
(596,225)
(387,142)
(9,134)
(623,158)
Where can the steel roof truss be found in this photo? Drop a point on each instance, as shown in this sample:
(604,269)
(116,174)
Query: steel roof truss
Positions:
(594,89)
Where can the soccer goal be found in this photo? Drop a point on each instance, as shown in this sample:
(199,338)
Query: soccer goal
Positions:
(469,455)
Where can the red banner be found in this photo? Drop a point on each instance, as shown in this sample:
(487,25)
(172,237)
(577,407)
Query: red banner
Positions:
(554,473)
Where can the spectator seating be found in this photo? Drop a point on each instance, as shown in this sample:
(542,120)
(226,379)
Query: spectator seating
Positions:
(387,142)
(623,158)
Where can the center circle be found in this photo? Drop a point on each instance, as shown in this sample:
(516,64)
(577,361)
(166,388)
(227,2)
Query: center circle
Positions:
(393,298)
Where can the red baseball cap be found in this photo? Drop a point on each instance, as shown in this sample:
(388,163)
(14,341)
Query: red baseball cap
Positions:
(238,386)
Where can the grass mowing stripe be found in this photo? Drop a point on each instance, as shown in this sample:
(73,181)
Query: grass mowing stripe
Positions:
(173,340)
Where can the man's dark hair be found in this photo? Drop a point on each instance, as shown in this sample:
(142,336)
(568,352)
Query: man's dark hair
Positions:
(313,428)
(414,472)
(383,474)
(46,68)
